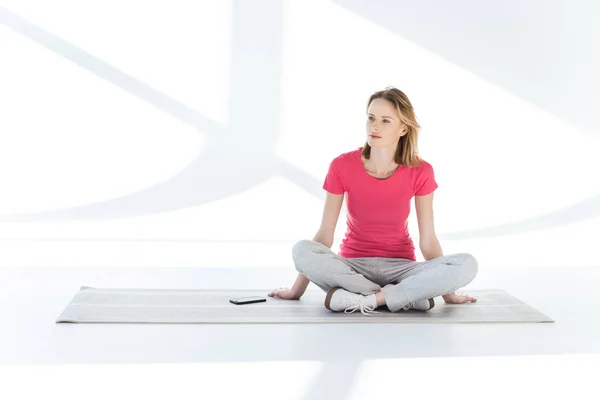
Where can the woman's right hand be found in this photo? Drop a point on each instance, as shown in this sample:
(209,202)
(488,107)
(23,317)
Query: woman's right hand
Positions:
(284,293)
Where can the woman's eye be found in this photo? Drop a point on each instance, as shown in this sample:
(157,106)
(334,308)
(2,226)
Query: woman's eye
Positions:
(370,118)
(386,120)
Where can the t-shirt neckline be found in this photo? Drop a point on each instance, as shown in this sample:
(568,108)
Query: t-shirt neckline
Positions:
(362,167)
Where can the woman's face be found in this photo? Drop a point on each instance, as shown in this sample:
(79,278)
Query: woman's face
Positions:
(384,128)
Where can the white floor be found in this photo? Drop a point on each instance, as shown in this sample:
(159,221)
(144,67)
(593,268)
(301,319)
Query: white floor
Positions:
(295,361)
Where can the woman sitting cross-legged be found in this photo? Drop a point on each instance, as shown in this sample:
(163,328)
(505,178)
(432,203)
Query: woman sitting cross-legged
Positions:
(376,265)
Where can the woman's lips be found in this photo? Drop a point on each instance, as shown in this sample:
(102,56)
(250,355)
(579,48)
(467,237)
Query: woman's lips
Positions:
(375,136)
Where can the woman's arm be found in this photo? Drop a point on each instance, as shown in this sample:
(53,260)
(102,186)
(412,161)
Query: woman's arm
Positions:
(428,241)
(329,220)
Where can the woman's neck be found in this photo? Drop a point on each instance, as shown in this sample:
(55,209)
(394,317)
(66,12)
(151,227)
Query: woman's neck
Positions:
(381,160)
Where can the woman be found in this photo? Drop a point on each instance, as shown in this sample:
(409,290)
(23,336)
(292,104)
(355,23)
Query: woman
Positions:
(376,265)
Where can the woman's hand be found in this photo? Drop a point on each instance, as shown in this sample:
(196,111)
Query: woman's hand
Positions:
(458,298)
(284,293)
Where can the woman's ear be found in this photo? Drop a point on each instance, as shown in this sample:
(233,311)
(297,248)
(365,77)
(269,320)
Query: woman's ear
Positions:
(403,129)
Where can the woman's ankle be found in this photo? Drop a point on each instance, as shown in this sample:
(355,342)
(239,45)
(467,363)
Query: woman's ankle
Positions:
(380,299)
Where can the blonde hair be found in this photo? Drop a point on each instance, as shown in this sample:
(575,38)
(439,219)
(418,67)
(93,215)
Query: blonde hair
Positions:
(407,153)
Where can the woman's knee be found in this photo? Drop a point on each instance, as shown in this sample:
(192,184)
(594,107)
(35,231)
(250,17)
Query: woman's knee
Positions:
(301,251)
(300,248)
(469,265)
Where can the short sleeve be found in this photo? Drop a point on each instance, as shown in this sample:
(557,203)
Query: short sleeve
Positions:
(333,181)
(424,182)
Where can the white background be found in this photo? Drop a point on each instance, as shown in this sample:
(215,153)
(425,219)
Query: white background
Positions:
(131,131)
(198,134)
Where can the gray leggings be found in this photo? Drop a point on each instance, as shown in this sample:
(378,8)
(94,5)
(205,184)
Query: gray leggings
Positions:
(402,281)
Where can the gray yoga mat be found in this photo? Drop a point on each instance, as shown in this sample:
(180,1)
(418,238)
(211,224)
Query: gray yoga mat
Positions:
(176,306)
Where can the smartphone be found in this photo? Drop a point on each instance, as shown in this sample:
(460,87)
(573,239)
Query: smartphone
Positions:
(248,300)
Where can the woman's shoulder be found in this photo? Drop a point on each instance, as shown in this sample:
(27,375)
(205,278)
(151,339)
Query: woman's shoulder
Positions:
(347,157)
(422,165)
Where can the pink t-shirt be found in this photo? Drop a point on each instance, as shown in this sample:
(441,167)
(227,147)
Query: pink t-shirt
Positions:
(378,209)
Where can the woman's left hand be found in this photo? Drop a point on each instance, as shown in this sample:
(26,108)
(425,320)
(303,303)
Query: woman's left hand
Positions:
(458,298)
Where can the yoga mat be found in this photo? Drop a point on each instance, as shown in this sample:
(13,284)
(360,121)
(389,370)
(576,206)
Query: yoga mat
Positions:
(177,306)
